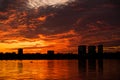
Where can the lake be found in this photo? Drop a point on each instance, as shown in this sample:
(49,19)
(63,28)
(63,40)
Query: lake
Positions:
(60,69)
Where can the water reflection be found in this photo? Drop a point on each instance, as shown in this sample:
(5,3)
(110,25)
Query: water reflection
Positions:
(100,64)
(82,65)
(59,69)
(20,66)
(91,65)
(91,69)
(50,69)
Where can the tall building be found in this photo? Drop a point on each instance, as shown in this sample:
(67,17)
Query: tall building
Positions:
(82,50)
(100,49)
(91,50)
(20,51)
(50,52)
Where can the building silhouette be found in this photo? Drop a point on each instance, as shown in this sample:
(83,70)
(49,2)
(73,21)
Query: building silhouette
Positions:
(50,52)
(100,48)
(100,51)
(91,51)
(82,51)
(20,51)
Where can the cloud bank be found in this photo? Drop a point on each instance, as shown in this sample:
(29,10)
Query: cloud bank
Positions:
(62,29)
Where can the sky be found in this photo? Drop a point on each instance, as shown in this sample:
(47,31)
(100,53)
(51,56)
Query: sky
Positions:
(59,25)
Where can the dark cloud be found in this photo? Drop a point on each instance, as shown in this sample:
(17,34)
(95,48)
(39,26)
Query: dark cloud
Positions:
(93,22)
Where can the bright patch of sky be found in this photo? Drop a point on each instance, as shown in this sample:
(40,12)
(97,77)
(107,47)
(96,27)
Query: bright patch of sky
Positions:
(43,3)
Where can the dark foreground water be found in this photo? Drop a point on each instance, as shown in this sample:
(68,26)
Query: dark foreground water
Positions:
(60,70)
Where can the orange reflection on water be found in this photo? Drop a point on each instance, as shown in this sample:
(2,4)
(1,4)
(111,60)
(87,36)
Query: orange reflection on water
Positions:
(39,70)
(59,69)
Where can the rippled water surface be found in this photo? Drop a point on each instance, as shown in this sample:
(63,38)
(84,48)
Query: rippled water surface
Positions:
(59,70)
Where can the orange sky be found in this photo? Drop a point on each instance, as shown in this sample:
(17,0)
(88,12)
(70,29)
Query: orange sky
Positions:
(60,27)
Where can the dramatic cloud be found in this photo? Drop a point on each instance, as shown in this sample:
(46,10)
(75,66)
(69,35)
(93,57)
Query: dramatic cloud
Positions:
(62,25)
(43,3)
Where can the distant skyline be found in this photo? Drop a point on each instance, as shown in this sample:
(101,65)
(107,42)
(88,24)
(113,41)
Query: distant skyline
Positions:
(59,25)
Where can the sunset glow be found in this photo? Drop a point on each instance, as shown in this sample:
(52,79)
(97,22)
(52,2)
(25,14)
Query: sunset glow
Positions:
(60,25)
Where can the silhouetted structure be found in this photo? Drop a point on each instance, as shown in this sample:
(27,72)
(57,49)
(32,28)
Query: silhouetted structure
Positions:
(20,51)
(50,52)
(82,51)
(100,49)
(91,51)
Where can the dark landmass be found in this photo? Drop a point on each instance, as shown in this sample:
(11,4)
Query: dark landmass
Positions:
(13,56)
(82,54)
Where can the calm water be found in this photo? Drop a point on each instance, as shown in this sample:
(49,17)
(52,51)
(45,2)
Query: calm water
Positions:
(59,70)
